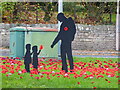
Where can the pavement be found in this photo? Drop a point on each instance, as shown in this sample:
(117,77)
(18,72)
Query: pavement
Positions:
(102,54)
(79,53)
(4,52)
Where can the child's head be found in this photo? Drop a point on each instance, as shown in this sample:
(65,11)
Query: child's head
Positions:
(34,48)
(28,46)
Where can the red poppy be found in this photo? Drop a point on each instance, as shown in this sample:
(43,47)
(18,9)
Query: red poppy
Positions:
(31,75)
(65,28)
(24,71)
(106,66)
(43,57)
(17,58)
(21,77)
(58,76)
(4,71)
(100,76)
(41,76)
(48,77)
(75,76)
(53,75)
(7,75)
(117,76)
(18,73)
(78,82)
(105,62)
(41,47)
(37,78)
(85,77)
(12,71)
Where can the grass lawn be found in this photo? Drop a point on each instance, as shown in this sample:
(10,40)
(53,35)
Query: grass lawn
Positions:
(88,73)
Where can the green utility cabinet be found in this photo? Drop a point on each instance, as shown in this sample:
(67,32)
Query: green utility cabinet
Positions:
(17,37)
(20,36)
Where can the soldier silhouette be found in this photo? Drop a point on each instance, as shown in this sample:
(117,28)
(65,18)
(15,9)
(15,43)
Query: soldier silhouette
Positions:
(35,57)
(66,35)
(27,58)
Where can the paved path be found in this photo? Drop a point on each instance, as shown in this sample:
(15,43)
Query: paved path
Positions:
(79,53)
(97,56)
(4,52)
(104,54)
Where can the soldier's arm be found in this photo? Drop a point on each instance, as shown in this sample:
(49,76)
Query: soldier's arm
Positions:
(56,40)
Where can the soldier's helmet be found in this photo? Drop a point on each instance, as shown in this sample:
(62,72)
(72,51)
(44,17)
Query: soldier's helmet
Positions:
(61,17)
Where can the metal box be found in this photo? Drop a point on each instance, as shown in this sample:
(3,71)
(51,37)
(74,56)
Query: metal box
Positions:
(20,36)
(17,37)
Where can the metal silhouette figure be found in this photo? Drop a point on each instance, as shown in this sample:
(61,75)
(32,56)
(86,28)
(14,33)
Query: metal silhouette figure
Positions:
(66,35)
(27,58)
(35,57)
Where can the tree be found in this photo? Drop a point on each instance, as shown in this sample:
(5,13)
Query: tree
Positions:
(71,7)
(48,7)
(13,8)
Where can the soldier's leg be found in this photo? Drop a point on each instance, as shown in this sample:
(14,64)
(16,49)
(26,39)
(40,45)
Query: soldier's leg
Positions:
(63,56)
(27,67)
(36,67)
(70,57)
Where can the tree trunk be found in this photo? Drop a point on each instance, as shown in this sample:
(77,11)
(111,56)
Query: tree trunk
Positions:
(36,15)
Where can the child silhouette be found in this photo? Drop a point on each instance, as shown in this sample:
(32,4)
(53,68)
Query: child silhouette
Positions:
(35,56)
(27,58)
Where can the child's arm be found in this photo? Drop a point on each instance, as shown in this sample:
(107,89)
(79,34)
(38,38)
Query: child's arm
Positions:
(39,52)
(31,53)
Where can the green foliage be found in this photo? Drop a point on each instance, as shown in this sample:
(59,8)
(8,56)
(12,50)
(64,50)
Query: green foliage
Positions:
(97,9)
(93,11)
(48,8)
(13,8)
(7,6)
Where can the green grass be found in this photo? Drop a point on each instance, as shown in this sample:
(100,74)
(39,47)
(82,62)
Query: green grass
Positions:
(14,81)
(30,82)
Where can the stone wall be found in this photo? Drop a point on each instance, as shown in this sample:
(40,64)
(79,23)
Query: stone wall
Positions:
(101,37)
(88,37)
(4,35)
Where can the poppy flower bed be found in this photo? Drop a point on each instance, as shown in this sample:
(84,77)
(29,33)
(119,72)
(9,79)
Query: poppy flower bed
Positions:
(88,73)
